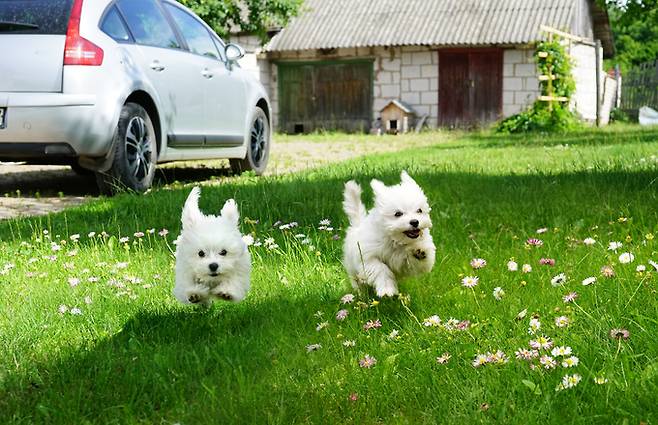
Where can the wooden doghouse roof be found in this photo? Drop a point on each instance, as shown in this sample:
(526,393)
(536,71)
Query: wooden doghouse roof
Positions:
(402,105)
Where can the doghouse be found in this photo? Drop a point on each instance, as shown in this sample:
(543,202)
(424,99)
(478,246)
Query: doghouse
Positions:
(397,117)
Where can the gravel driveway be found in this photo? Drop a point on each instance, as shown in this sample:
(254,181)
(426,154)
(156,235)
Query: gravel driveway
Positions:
(27,190)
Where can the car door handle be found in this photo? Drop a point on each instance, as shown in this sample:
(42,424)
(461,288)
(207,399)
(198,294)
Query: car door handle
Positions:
(206,73)
(157,66)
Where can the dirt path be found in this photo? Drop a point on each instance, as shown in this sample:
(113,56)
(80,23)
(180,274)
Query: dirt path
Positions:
(27,190)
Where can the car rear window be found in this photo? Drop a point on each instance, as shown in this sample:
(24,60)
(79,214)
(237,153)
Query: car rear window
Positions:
(34,16)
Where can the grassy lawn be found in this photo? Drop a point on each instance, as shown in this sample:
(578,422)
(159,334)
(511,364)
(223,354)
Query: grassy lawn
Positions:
(91,333)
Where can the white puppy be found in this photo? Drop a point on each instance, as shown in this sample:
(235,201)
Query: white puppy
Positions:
(392,240)
(212,259)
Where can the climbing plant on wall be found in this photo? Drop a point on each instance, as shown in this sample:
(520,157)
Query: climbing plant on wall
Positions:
(551,111)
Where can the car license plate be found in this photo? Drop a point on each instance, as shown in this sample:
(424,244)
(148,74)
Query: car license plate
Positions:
(3,114)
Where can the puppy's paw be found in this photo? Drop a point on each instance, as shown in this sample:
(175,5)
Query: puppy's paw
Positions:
(194,298)
(388,291)
(420,254)
(224,296)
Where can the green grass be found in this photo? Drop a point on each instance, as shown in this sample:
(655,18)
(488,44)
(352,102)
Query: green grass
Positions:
(135,355)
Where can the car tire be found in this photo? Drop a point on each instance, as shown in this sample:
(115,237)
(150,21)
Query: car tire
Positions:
(135,153)
(258,147)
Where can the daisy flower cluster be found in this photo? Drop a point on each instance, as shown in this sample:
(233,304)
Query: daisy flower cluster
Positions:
(290,231)
(496,358)
(451,324)
(48,255)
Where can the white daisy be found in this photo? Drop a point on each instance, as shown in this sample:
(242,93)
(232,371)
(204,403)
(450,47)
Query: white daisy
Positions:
(559,280)
(626,258)
(512,266)
(589,241)
(589,281)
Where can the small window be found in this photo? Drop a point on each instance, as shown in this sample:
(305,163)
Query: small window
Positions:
(148,24)
(194,32)
(113,26)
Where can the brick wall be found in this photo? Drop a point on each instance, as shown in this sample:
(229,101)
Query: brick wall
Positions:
(410,74)
(520,83)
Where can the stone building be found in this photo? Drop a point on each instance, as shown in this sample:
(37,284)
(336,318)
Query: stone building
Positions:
(455,62)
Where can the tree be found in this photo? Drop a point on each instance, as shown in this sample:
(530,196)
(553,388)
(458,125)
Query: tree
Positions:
(629,11)
(253,16)
(635,29)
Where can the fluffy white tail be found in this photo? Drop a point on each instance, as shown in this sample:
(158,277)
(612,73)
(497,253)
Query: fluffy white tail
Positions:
(352,204)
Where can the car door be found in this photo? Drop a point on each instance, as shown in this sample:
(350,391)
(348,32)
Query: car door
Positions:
(224,87)
(226,105)
(176,74)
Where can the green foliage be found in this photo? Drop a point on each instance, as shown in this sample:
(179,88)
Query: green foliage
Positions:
(544,116)
(540,119)
(252,16)
(629,11)
(557,63)
(619,115)
(636,37)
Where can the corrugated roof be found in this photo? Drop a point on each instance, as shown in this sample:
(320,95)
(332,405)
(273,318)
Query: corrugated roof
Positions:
(328,24)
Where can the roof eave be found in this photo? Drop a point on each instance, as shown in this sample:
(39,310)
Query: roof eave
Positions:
(602,29)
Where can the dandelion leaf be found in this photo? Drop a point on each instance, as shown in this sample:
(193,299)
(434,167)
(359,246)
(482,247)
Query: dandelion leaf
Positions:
(533,387)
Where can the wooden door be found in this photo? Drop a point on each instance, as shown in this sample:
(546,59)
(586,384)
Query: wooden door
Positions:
(470,87)
(325,96)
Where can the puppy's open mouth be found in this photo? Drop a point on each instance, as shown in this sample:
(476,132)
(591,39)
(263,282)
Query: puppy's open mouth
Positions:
(213,274)
(413,233)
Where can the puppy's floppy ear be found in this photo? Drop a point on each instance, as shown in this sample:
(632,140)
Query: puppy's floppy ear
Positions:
(191,213)
(406,179)
(378,187)
(230,212)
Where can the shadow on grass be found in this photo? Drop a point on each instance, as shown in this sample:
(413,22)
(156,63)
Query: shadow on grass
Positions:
(161,367)
(53,182)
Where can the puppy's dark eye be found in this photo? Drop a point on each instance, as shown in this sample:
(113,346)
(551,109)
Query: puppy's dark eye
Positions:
(202,254)
(222,252)
(398,213)
(420,211)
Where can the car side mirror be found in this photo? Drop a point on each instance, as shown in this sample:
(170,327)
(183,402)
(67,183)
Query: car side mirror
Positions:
(233,52)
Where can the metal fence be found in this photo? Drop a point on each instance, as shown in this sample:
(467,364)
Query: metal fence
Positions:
(640,88)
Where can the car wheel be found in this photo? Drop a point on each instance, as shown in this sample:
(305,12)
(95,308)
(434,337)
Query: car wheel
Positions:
(258,148)
(135,153)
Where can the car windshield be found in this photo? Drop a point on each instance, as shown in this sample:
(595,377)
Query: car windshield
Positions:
(34,16)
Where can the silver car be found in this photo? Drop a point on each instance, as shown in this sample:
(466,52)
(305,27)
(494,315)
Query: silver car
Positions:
(116,86)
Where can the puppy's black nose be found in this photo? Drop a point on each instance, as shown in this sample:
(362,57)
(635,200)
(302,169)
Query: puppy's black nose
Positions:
(213,267)
(414,223)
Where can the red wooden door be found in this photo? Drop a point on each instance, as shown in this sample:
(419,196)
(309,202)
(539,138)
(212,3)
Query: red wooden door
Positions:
(470,87)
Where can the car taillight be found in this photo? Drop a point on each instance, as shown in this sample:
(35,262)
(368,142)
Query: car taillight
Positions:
(78,50)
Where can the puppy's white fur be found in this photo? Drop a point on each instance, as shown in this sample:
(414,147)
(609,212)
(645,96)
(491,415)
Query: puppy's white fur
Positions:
(212,259)
(383,245)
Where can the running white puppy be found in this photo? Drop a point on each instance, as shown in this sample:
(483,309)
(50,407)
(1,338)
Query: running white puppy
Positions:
(392,240)
(212,259)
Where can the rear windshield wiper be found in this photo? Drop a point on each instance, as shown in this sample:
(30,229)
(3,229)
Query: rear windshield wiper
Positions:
(17,26)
